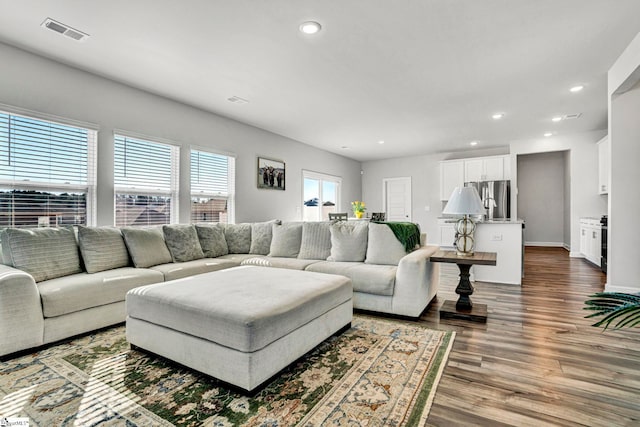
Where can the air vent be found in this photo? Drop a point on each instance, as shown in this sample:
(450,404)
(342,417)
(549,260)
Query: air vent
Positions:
(237,100)
(64,30)
(571,116)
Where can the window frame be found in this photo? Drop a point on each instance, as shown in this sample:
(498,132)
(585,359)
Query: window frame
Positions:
(321,177)
(230,196)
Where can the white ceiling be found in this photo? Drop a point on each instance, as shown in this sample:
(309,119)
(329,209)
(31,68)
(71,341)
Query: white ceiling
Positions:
(423,75)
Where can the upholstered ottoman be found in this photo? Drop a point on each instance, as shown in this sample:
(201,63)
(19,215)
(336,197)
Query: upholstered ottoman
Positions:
(241,325)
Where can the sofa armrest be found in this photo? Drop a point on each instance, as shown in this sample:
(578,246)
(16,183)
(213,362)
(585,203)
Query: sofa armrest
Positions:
(417,281)
(21,319)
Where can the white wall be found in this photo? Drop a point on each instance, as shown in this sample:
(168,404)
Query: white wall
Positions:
(541,197)
(35,83)
(623,269)
(425,184)
(584,197)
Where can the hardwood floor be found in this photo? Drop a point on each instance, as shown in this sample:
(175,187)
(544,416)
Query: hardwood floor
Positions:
(537,361)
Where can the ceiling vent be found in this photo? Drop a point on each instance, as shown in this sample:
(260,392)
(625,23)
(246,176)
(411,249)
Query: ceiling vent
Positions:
(65,30)
(571,116)
(237,100)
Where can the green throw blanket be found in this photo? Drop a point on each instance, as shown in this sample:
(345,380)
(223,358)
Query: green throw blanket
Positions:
(407,233)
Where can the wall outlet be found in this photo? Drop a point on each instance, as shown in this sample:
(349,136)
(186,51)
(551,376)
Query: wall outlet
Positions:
(496,237)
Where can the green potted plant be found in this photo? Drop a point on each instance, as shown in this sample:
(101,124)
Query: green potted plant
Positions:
(620,309)
(358,208)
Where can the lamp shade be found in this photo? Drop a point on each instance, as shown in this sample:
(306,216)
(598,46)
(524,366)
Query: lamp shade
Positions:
(464,201)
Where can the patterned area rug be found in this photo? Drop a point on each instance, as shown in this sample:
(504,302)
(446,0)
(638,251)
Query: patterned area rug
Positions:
(379,372)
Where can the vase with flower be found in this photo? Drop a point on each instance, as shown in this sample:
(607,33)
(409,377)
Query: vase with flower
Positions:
(358,208)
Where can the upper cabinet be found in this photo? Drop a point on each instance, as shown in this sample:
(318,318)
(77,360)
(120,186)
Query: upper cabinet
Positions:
(454,173)
(451,176)
(603,166)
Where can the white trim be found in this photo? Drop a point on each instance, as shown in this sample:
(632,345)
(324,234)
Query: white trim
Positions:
(143,137)
(384,194)
(319,176)
(212,150)
(575,254)
(10,109)
(625,289)
(549,244)
(566,247)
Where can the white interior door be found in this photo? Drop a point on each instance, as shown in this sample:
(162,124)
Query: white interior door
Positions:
(397,198)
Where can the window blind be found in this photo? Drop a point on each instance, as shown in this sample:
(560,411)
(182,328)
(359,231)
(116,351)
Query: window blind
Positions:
(47,173)
(146,182)
(212,187)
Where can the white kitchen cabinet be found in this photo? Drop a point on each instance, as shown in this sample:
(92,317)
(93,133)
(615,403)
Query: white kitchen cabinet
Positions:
(487,168)
(474,170)
(451,176)
(494,169)
(590,239)
(603,166)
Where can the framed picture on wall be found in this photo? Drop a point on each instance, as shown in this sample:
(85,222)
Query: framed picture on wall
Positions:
(271,174)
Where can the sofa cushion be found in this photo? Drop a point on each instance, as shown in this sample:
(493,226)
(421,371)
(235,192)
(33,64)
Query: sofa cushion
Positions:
(383,246)
(349,241)
(316,240)
(178,270)
(44,253)
(238,238)
(81,291)
(278,262)
(237,258)
(182,241)
(146,246)
(261,233)
(102,248)
(212,240)
(286,240)
(366,278)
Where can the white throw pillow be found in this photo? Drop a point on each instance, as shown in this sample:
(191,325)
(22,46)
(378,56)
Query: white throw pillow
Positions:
(349,241)
(383,246)
(286,240)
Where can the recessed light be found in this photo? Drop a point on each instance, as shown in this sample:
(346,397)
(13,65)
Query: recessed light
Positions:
(497,116)
(474,143)
(576,88)
(381,142)
(310,27)
(344,147)
(548,134)
(237,100)
(556,119)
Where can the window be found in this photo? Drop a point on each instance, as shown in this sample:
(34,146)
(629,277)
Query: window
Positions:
(212,187)
(321,195)
(146,182)
(47,173)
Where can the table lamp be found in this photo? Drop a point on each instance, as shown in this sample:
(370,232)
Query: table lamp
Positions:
(464,201)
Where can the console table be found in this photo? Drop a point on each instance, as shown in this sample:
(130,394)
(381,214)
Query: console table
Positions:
(464,308)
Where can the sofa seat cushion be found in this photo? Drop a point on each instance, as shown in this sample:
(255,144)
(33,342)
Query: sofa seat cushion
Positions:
(367,278)
(243,308)
(83,290)
(178,270)
(280,262)
(237,258)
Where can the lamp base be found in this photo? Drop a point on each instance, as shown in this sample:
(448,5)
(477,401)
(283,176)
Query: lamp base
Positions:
(464,236)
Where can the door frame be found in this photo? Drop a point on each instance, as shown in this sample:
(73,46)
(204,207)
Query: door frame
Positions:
(385,181)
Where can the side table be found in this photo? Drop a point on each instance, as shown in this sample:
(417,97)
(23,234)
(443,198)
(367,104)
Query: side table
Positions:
(464,308)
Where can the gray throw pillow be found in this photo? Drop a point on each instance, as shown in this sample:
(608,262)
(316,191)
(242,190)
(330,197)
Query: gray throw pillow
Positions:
(286,240)
(316,240)
(182,241)
(261,233)
(349,241)
(146,246)
(383,246)
(238,238)
(45,253)
(212,240)
(102,248)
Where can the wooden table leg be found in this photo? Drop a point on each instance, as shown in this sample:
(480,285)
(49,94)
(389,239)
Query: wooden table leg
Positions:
(464,289)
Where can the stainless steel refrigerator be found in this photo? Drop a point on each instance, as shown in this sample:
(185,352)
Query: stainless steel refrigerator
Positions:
(496,198)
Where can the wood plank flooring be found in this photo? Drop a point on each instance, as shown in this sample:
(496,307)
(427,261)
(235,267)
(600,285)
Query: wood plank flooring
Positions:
(537,361)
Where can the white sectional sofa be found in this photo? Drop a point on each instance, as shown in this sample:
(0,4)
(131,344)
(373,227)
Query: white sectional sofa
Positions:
(56,283)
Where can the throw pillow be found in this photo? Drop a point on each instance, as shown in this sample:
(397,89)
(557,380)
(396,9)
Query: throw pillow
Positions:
(316,240)
(146,246)
(383,246)
(182,241)
(238,238)
(102,248)
(261,233)
(286,240)
(45,253)
(212,240)
(349,241)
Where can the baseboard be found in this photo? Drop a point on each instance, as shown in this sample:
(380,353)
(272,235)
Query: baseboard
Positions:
(623,289)
(573,254)
(566,247)
(549,244)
